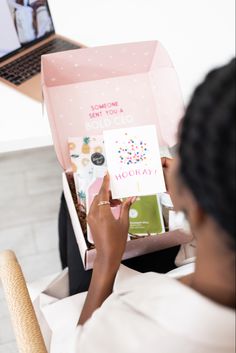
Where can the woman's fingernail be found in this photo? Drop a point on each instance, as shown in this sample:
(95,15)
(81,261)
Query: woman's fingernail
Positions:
(133,199)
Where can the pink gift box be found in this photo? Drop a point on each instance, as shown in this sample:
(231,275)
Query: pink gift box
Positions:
(87,91)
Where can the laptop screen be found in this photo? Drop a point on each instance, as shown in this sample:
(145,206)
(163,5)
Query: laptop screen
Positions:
(22,23)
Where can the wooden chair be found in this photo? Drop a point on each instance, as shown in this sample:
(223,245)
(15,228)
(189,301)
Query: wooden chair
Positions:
(25,324)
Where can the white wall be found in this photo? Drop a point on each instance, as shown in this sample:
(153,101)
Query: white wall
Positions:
(199,34)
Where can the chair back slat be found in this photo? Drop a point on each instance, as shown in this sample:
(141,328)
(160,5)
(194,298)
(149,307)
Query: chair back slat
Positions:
(25,324)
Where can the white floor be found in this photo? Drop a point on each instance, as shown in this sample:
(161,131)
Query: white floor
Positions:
(30,189)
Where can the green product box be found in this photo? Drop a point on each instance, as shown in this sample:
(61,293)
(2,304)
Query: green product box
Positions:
(146,216)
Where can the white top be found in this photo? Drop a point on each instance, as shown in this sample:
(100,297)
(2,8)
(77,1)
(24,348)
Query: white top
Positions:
(155,313)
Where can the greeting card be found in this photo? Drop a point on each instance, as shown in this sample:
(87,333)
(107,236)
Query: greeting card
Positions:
(146,216)
(88,162)
(134,162)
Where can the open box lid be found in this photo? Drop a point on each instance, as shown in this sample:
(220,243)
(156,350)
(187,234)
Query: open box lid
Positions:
(89,90)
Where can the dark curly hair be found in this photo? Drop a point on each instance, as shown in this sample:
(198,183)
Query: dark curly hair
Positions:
(208,145)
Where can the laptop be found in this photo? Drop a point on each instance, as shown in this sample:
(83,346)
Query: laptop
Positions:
(26,33)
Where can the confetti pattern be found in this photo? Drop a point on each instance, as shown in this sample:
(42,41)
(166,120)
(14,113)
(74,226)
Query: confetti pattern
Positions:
(132,151)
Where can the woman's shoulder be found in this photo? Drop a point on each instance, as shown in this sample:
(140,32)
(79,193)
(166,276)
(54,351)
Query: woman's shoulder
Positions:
(167,288)
(130,281)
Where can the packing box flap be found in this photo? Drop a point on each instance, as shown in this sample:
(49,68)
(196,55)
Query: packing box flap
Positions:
(87,91)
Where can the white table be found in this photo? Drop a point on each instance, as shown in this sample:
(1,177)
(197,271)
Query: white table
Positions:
(197,34)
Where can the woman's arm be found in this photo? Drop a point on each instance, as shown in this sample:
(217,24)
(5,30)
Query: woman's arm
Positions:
(100,289)
(110,237)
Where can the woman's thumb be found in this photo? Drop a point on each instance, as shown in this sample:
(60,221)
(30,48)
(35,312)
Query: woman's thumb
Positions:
(124,214)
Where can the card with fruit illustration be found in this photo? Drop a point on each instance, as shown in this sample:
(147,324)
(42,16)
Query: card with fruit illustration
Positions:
(88,161)
(134,162)
(86,152)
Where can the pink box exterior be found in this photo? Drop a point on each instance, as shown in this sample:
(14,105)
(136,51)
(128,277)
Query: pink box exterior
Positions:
(142,79)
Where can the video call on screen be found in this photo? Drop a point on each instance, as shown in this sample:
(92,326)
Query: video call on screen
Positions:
(22,22)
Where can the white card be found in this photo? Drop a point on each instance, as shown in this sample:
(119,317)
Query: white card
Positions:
(134,162)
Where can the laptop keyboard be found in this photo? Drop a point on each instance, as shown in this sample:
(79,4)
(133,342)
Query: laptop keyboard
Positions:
(29,65)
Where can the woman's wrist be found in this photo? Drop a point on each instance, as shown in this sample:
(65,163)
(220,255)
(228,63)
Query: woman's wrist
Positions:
(107,264)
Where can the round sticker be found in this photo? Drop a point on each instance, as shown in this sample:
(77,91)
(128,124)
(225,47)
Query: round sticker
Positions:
(98,159)
(133,213)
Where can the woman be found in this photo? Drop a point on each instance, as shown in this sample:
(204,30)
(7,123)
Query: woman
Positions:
(153,312)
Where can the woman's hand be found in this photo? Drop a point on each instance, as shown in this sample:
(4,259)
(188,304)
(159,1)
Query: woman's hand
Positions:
(110,237)
(109,234)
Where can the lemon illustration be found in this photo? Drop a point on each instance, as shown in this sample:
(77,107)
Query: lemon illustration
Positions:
(71,146)
(98,149)
(74,167)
